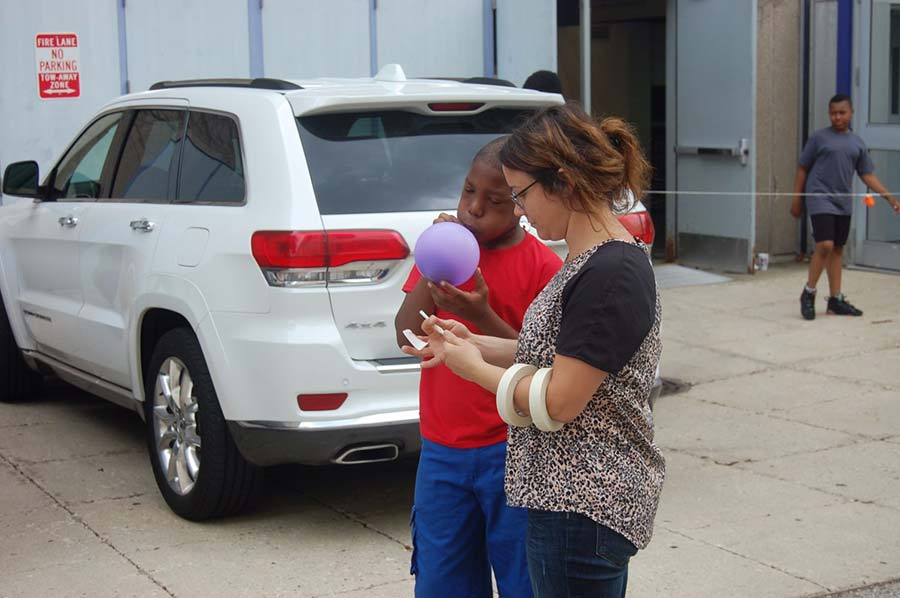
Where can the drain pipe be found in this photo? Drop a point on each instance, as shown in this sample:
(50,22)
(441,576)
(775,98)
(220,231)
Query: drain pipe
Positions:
(586,55)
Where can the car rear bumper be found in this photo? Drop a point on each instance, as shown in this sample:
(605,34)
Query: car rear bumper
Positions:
(380,437)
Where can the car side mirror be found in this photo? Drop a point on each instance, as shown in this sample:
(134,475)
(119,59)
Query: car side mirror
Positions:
(22,179)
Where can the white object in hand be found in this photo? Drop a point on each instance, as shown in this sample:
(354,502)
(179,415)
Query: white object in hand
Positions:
(417,343)
(436,327)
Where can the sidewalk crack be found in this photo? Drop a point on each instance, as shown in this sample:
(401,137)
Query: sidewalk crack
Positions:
(746,557)
(351,517)
(77,518)
(856,589)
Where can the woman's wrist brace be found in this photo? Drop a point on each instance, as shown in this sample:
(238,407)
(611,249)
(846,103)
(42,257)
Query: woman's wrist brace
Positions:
(506,391)
(537,401)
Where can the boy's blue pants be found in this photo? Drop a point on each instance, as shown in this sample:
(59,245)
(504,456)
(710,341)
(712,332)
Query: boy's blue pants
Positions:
(462,527)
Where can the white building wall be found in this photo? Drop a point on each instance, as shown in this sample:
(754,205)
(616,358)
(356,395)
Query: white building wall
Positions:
(432,38)
(185,39)
(526,38)
(311,38)
(36,129)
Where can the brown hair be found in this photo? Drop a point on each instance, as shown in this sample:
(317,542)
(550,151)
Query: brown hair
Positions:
(599,159)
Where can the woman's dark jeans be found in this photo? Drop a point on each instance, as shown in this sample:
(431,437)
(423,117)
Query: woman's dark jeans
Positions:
(570,555)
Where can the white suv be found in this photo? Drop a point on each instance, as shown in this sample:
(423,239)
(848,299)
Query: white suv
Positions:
(226,257)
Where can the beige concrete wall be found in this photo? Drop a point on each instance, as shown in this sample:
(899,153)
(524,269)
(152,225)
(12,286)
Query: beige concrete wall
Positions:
(777,122)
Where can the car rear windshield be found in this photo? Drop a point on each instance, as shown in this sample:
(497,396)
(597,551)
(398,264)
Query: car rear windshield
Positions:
(395,161)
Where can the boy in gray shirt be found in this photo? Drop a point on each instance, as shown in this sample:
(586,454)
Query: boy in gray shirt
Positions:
(825,172)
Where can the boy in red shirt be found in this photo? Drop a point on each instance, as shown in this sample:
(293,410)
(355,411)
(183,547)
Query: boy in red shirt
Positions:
(461,524)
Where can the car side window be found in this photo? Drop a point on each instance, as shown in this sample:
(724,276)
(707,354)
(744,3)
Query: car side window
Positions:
(212,170)
(79,175)
(146,169)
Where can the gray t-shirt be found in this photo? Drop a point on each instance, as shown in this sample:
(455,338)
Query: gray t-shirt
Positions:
(831,159)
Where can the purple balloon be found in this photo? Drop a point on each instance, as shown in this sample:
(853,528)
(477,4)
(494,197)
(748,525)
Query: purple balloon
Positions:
(447,251)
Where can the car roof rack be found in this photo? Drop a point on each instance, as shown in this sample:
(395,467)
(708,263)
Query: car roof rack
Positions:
(489,81)
(257,83)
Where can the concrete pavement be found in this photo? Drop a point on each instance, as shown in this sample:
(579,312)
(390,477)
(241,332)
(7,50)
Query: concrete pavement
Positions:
(783,475)
(784,455)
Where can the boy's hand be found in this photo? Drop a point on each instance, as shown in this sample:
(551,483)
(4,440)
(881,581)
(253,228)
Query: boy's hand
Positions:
(895,205)
(444,217)
(470,306)
(797,207)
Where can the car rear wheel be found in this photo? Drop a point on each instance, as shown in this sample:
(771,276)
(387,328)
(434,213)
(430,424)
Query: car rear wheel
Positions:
(18,382)
(198,468)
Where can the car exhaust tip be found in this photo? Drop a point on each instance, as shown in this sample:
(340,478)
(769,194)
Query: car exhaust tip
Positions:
(371,453)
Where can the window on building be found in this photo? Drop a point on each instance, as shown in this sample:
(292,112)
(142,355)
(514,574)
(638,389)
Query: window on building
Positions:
(884,87)
(881,224)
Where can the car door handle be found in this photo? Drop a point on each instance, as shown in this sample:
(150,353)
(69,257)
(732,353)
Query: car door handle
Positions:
(142,225)
(68,221)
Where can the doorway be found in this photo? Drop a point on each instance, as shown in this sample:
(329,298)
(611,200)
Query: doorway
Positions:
(700,56)
(877,120)
(628,78)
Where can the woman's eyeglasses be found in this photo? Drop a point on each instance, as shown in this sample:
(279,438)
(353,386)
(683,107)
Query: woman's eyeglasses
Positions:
(517,198)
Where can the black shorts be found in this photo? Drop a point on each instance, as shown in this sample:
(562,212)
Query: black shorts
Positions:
(830,227)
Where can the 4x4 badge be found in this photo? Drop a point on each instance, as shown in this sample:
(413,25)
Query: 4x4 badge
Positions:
(366,325)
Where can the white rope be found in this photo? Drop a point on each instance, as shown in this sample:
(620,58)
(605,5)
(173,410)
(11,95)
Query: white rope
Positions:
(763,193)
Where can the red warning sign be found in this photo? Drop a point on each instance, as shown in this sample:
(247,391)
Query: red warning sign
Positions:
(57,65)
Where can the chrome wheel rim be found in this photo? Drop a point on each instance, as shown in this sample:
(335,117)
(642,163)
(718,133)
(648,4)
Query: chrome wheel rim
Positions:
(175,425)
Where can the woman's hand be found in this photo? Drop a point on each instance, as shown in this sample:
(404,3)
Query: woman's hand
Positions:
(460,355)
(460,350)
(457,328)
(427,354)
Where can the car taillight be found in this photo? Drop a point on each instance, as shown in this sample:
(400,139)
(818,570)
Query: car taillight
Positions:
(316,258)
(640,225)
(455,106)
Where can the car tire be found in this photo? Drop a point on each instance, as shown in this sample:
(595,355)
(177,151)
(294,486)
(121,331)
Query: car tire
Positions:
(18,382)
(197,466)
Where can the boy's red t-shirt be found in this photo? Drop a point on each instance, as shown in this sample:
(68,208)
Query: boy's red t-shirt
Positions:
(458,413)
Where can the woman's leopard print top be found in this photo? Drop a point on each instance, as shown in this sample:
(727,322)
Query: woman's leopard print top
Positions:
(604,464)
